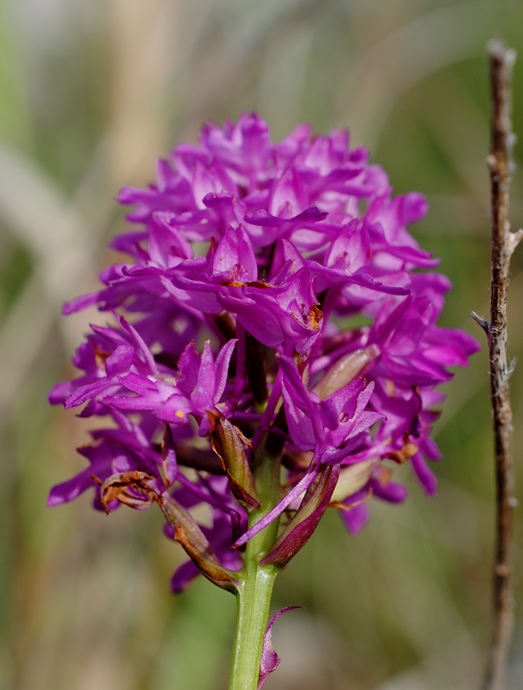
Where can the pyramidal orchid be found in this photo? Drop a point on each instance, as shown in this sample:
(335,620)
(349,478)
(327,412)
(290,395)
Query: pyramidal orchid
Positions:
(269,350)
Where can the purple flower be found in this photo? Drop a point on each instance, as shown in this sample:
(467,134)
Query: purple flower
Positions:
(232,343)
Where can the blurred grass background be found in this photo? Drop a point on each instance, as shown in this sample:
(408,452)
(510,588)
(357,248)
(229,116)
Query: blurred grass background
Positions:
(91,93)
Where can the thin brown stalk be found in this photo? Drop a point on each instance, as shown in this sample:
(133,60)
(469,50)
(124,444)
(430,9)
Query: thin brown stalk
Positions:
(504,242)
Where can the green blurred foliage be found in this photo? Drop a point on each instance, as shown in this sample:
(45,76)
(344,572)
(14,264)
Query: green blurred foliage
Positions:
(91,93)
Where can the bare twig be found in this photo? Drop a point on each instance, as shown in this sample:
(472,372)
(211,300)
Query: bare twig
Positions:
(503,244)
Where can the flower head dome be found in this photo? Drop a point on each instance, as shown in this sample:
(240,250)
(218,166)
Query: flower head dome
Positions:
(273,304)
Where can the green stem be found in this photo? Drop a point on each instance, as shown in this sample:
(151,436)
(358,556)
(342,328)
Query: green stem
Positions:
(256,583)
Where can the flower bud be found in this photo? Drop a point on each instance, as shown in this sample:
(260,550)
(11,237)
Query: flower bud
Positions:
(303,524)
(345,370)
(228,444)
(352,479)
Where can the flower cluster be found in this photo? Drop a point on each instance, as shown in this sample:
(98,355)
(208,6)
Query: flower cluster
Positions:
(276,310)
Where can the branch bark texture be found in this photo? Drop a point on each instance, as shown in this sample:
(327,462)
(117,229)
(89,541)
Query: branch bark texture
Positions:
(504,241)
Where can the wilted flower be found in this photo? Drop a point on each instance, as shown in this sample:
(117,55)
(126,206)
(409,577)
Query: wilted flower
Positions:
(276,307)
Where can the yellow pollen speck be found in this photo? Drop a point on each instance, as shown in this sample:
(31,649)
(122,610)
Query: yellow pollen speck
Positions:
(179,414)
(389,387)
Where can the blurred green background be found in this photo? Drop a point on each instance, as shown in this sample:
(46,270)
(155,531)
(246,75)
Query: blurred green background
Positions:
(91,93)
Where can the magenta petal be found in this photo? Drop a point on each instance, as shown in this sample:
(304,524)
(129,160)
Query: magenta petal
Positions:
(222,368)
(235,256)
(71,489)
(140,344)
(87,392)
(188,365)
(183,576)
(80,303)
(257,319)
(414,207)
(391,492)
(356,517)
(120,360)
(138,384)
(293,494)
(60,392)
(289,196)
(424,475)
(203,393)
